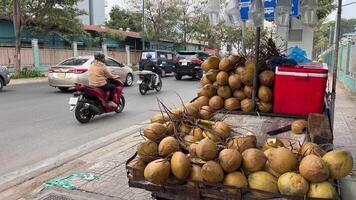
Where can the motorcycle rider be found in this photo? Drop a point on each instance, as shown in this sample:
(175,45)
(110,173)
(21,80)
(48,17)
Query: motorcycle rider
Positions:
(150,66)
(98,75)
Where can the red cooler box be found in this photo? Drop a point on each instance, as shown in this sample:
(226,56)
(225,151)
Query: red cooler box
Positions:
(300,90)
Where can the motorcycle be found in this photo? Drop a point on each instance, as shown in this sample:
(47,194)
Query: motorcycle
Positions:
(90,101)
(147,81)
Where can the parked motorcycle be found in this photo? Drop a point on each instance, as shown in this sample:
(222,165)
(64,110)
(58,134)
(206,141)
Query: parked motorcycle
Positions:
(147,82)
(89,101)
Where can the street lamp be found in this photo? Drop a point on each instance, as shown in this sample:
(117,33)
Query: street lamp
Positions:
(143,25)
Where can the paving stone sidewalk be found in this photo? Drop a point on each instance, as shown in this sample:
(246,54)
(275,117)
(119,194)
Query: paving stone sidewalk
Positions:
(112,182)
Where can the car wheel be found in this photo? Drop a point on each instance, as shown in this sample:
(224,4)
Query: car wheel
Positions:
(63,89)
(129,80)
(1,83)
(178,77)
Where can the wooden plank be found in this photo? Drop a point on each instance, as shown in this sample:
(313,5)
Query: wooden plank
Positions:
(319,129)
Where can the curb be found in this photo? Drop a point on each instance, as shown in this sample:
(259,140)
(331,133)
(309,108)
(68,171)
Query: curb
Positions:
(29,172)
(28,81)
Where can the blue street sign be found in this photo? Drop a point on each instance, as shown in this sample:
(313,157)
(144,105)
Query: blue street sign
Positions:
(270,6)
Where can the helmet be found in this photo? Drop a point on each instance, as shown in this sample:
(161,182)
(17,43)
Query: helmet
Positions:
(149,56)
(99,56)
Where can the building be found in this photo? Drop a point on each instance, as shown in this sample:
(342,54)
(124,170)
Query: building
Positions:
(96,12)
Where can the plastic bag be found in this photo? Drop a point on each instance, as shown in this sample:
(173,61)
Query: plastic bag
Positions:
(298,54)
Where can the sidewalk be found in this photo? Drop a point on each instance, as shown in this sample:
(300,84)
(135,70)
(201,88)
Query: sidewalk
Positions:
(28,80)
(111,173)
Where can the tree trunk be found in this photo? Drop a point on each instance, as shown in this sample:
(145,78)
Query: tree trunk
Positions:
(17,30)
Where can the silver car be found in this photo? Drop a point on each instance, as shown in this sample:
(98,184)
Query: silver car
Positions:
(75,70)
(4,77)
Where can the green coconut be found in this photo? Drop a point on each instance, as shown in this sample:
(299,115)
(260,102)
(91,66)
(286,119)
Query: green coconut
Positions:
(339,162)
(293,184)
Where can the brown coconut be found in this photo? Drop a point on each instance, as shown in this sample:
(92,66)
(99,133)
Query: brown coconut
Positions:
(175,113)
(155,132)
(265,107)
(157,171)
(272,143)
(234,82)
(201,101)
(189,139)
(239,94)
(243,142)
(230,160)
(340,163)
(193,150)
(270,170)
(210,63)
(247,76)
(159,118)
(137,167)
(266,78)
(232,104)
(195,173)
(298,126)
(239,71)
(191,110)
(197,133)
(184,129)
(216,103)
(205,112)
(215,137)
(314,169)
(248,91)
(212,172)
(222,78)
(206,149)
(265,94)
(211,75)
(253,160)
(224,92)
(207,90)
(222,129)
(170,128)
(311,148)
(246,105)
(282,160)
(147,151)
(234,59)
(180,165)
(225,64)
(236,179)
(205,81)
(168,146)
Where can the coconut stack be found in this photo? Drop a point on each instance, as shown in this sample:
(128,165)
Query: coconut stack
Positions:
(227,82)
(186,145)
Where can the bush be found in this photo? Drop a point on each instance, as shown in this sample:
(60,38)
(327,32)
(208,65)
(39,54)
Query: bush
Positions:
(135,68)
(28,73)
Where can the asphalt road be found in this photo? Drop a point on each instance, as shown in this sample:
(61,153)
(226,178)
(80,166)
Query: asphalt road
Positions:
(35,121)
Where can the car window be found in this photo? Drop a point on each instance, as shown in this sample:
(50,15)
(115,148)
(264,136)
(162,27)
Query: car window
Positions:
(169,56)
(203,56)
(74,61)
(144,55)
(111,63)
(187,55)
(161,55)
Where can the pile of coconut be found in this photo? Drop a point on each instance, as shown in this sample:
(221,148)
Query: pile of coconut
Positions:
(228,84)
(183,147)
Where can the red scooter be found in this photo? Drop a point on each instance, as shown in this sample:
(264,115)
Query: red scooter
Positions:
(90,101)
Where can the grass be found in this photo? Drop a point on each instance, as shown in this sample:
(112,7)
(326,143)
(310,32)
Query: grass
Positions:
(28,73)
(135,68)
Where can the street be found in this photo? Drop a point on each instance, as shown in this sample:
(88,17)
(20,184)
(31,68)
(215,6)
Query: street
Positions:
(35,121)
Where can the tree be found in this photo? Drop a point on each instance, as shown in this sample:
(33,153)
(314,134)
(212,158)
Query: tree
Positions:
(121,18)
(44,14)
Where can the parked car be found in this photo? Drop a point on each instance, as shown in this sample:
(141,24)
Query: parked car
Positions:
(75,70)
(4,77)
(189,63)
(164,59)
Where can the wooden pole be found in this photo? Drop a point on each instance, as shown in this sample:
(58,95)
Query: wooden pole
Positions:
(255,73)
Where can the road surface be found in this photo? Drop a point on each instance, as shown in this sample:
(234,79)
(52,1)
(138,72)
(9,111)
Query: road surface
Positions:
(35,121)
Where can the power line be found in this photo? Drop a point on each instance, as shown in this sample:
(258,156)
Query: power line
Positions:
(349,4)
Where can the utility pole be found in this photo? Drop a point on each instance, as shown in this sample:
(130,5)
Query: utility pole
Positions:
(143,25)
(17,31)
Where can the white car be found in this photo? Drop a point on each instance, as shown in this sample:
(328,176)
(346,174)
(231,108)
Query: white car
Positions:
(75,70)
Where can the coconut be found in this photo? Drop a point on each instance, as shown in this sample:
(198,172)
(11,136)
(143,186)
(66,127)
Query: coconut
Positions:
(191,110)
(184,129)
(215,137)
(314,169)
(232,104)
(293,184)
(222,129)
(157,171)
(272,143)
(171,128)
(222,78)
(195,173)
(234,59)
(250,63)
(224,92)
(159,118)
(264,181)
(138,167)
(246,105)
(215,84)
(253,160)
(175,113)
(243,142)
(216,103)
(189,139)
(236,179)
(311,148)
(211,75)
(298,126)
(197,133)
(248,91)
(339,162)
(323,190)
(225,64)
(210,63)
(155,132)
(193,150)
(205,81)
(180,165)
(270,170)
(239,71)
(230,159)
(207,149)
(265,94)
(240,95)
(168,146)
(282,160)
(247,76)
(212,172)
(147,151)
(201,101)
(267,78)
(265,107)
(234,82)
(208,91)
(205,112)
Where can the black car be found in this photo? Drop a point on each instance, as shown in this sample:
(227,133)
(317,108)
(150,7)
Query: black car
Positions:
(189,63)
(162,58)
